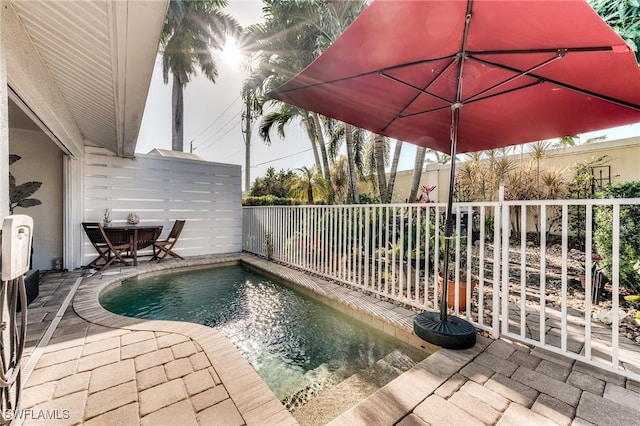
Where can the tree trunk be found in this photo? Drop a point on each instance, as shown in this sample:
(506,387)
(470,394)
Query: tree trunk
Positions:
(417,173)
(323,151)
(309,127)
(177,108)
(378,153)
(394,170)
(353,190)
(310,193)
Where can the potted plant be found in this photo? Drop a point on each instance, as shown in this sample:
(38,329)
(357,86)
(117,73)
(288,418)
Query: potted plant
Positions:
(20,196)
(462,279)
(462,295)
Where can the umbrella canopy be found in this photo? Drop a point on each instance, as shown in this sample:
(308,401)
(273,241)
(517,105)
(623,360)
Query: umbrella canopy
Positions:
(531,70)
(470,75)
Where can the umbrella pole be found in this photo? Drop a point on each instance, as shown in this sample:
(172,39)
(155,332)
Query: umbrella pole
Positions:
(447,331)
(448,232)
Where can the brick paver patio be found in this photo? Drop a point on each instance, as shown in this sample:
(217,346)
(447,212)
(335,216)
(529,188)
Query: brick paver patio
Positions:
(98,368)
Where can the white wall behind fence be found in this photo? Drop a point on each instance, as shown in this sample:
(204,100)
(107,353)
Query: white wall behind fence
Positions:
(160,190)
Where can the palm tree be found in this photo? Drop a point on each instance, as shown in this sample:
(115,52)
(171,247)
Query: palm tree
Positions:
(393,171)
(309,181)
(380,158)
(353,189)
(282,46)
(538,152)
(596,139)
(340,179)
(192,31)
(335,17)
(292,36)
(566,141)
(440,157)
(354,139)
(417,172)
(283,116)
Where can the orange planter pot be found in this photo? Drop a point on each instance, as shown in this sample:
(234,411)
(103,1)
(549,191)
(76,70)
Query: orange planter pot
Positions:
(462,295)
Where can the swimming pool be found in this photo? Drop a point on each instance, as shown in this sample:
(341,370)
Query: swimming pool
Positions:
(298,345)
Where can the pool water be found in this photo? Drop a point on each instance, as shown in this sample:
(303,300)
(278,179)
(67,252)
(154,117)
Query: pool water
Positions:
(296,344)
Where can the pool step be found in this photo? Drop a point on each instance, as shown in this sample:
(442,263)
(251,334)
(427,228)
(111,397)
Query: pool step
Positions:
(311,384)
(331,401)
(399,360)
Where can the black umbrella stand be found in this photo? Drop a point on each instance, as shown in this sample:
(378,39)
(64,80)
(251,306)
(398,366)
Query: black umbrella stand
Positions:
(447,331)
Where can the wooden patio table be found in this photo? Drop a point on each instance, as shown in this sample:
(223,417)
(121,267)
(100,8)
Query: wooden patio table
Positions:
(140,236)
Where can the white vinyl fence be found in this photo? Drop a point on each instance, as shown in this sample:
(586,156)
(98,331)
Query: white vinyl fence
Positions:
(510,278)
(160,190)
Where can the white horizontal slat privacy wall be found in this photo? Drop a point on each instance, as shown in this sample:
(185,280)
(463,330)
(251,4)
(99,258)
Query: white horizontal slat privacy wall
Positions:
(160,190)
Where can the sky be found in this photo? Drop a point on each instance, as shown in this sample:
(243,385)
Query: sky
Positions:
(213,118)
(213,115)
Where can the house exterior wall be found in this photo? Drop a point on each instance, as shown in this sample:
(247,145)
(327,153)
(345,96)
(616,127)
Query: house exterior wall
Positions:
(29,77)
(623,155)
(4,127)
(41,161)
(160,190)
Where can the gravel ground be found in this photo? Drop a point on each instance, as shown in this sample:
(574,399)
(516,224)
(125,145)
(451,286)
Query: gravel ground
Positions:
(629,326)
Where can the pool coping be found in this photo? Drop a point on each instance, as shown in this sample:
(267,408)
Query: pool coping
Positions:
(256,403)
(254,399)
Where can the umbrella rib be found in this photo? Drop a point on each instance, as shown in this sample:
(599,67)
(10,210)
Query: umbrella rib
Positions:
(544,50)
(428,111)
(410,64)
(515,77)
(543,79)
(426,88)
(420,91)
(273,93)
(504,92)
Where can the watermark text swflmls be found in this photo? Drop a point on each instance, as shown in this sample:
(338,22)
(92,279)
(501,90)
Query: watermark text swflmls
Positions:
(31,414)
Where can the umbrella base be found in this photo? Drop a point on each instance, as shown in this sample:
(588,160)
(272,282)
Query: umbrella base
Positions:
(454,333)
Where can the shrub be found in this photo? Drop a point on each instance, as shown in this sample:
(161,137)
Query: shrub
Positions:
(269,200)
(368,199)
(629,233)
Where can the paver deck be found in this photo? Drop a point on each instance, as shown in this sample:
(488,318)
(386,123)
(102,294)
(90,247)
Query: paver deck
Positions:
(99,368)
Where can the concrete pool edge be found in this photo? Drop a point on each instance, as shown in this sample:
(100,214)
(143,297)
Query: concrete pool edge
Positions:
(254,400)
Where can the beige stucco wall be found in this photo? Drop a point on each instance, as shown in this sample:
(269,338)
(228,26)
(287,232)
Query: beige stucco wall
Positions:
(623,156)
(41,161)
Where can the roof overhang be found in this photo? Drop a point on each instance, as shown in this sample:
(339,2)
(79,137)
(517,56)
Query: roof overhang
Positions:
(83,68)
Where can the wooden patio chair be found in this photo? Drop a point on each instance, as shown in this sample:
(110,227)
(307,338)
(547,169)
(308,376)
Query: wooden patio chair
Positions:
(109,248)
(146,238)
(161,248)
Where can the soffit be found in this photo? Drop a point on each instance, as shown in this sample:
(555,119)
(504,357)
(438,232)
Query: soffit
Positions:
(85,47)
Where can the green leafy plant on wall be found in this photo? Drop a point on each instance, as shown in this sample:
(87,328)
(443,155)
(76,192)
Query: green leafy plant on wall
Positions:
(20,195)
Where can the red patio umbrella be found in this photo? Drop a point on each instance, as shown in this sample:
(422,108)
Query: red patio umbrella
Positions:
(470,75)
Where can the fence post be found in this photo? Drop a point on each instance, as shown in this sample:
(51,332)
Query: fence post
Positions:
(504,230)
